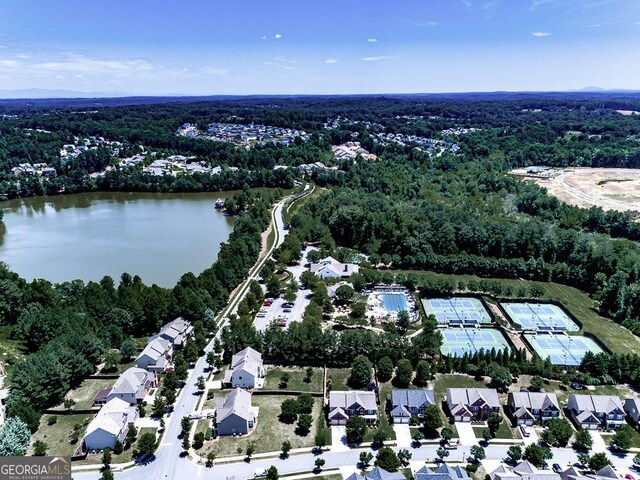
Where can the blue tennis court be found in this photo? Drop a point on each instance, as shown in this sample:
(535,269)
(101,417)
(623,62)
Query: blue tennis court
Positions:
(457,310)
(562,349)
(394,302)
(458,341)
(539,316)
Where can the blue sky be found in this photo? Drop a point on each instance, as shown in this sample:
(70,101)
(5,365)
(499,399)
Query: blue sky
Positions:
(158,47)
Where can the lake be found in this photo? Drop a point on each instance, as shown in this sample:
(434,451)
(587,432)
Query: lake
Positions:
(158,236)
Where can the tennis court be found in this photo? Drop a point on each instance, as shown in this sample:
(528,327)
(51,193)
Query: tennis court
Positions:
(458,341)
(457,310)
(562,349)
(539,316)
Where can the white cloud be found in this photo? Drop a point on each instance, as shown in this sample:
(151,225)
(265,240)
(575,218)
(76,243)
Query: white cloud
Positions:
(375,59)
(331,61)
(277,35)
(8,63)
(539,3)
(425,24)
(216,72)
(372,40)
(541,34)
(80,64)
(264,37)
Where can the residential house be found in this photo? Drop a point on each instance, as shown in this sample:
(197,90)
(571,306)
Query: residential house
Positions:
(606,473)
(409,403)
(377,473)
(331,268)
(156,355)
(527,407)
(245,369)
(176,331)
(132,386)
(523,471)
(466,404)
(110,424)
(593,411)
(234,413)
(632,408)
(345,404)
(443,472)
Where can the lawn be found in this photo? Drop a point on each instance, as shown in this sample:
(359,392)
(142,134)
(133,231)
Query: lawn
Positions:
(210,404)
(339,377)
(125,456)
(56,435)
(296,381)
(83,395)
(635,439)
(612,335)
(504,431)
(202,426)
(444,381)
(269,432)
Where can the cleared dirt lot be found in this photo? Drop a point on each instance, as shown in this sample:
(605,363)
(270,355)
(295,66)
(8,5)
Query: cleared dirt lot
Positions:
(609,188)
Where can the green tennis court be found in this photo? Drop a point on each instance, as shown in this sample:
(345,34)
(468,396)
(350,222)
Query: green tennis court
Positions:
(539,316)
(457,310)
(458,341)
(562,349)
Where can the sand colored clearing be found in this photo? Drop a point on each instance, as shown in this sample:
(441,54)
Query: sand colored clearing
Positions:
(609,188)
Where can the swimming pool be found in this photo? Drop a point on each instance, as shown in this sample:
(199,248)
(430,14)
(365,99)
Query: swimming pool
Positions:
(394,302)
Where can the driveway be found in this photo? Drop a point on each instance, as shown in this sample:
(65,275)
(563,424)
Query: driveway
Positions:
(403,434)
(465,432)
(339,438)
(598,443)
(533,436)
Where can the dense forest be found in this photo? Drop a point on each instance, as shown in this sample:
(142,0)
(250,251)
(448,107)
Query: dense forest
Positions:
(451,212)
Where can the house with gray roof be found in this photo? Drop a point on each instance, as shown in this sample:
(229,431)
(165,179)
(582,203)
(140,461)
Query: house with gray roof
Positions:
(245,369)
(234,413)
(466,404)
(132,386)
(176,331)
(110,424)
(523,471)
(593,411)
(442,472)
(377,473)
(156,356)
(632,408)
(409,403)
(606,473)
(527,407)
(345,404)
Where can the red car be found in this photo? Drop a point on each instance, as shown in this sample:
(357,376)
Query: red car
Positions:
(628,476)
(282,323)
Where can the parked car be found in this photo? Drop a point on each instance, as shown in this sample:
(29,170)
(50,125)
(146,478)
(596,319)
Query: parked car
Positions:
(282,323)
(260,472)
(195,416)
(452,444)
(628,476)
(557,468)
(287,305)
(287,310)
(577,386)
(525,431)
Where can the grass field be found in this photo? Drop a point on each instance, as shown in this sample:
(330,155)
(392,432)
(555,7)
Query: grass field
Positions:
(503,432)
(615,337)
(83,395)
(125,456)
(269,432)
(296,381)
(56,435)
(339,377)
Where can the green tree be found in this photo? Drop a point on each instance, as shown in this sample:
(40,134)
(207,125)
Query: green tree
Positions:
(537,455)
(106,457)
(186,444)
(418,436)
(432,419)
(515,453)
(446,434)
(251,448)
(598,461)
(304,424)
(132,433)
(147,443)
(387,460)
(39,448)
(211,359)
(198,440)
(272,473)
(403,322)
(159,407)
(185,425)
(536,384)
(14,437)
(344,295)
(106,475)
(305,403)
(118,447)
(289,410)
(442,453)
(210,458)
(365,459)
(308,375)
(286,448)
(404,456)
(423,374)
(319,463)
(320,440)
(486,434)
(385,369)
(494,424)
(356,428)
(111,360)
(379,438)
(200,383)
(360,372)
(404,373)
(500,376)
(623,438)
(478,453)
(558,431)
(583,440)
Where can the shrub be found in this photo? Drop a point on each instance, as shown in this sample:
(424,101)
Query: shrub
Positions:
(52,420)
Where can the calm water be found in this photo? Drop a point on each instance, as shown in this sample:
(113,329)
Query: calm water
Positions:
(157,236)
